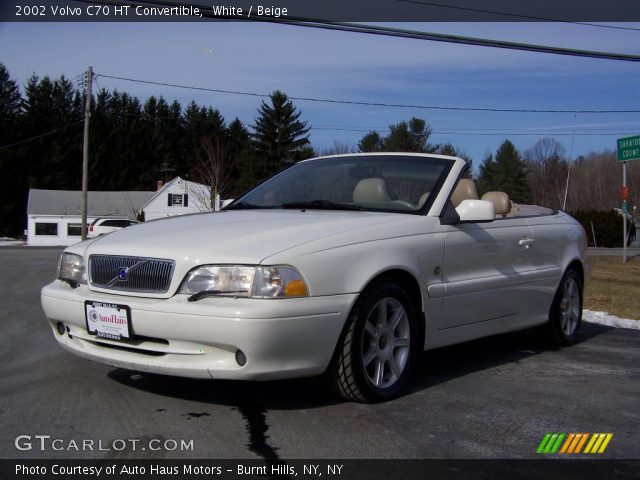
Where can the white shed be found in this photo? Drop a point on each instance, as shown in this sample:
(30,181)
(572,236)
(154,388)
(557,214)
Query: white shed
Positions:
(54,216)
(178,197)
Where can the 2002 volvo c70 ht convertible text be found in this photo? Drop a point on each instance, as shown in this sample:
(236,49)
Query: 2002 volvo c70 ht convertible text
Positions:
(345,266)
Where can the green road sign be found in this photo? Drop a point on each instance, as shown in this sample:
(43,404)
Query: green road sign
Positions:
(629,148)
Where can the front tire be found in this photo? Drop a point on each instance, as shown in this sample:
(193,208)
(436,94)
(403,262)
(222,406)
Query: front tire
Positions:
(377,350)
(565,316)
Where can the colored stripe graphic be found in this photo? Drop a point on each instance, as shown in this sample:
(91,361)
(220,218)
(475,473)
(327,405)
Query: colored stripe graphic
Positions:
(550,443)
(573,443)
(598,443)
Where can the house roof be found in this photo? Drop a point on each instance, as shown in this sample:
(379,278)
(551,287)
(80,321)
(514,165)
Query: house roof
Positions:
(199,190)
(99,204)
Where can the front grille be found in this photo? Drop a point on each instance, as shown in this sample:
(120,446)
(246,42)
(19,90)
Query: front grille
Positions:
(131,274)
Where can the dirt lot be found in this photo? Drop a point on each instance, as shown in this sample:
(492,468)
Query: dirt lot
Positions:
(614,286)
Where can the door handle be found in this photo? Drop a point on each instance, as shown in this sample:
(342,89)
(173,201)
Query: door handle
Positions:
(526,242)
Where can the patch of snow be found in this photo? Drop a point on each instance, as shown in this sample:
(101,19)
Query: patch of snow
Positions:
(603,318)
(6,241)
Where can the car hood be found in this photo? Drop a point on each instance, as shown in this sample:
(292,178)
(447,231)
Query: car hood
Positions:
(242,237)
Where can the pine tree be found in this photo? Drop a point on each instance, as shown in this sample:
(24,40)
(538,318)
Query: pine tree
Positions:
(12,168)
(371,142)
(411,136)
(10,101)
(279,136)
(506,173)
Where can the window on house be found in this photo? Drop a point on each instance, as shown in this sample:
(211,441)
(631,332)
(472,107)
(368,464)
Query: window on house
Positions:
(74,229)
(46,228)
(178,200)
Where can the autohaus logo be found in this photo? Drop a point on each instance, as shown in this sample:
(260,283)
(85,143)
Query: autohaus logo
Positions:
(574,443)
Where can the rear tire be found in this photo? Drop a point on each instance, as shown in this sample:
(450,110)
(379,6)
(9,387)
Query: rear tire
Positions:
(377,349)
(565,316)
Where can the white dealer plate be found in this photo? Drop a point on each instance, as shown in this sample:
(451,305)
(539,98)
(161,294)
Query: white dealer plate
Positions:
(108,320)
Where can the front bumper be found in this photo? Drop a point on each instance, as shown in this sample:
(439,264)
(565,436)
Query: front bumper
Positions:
(281,338)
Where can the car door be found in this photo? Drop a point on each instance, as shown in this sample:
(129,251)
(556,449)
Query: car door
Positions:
(486,273)
(551,236)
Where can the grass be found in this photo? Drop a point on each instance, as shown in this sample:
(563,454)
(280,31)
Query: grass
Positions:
(614,286)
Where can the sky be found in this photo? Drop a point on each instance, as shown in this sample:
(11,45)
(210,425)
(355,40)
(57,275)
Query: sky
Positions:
(305,62)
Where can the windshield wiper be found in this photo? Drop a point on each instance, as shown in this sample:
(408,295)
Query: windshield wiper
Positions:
(211,293)
(322,204)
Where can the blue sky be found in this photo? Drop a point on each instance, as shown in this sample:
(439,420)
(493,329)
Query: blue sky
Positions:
(339,65)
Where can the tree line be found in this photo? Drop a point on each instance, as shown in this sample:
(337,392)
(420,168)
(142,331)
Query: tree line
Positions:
(133,144)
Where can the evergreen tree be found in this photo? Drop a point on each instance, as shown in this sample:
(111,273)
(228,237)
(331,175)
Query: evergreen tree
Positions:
(241,157)
(12,168)
(10,102)
(371,142)
(279,136)
(56,158)
(506,173)
(411,136)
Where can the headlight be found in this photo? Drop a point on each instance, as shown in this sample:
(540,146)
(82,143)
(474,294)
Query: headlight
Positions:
(243,281)
(278,282)
(71,269)
(222,279)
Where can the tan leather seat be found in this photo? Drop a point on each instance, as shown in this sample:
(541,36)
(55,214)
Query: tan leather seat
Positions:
(500,201)
(371,190)
(466,190)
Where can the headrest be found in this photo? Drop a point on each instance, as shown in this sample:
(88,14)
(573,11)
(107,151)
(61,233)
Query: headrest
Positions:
(370,190)
(466,190)
(500,201)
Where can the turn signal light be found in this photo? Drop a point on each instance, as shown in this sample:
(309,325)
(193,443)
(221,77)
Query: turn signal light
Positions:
(295,288)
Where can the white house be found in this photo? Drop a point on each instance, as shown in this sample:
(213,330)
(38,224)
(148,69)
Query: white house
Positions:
(177,197)
(54,216)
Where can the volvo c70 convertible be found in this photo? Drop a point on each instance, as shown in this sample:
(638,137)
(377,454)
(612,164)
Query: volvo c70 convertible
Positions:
(343,266)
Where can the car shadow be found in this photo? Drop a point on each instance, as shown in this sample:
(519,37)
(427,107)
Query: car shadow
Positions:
(432,368)
(253,400)
(444,364)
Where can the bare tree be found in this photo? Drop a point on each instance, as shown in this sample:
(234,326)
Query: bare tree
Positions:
(594,180)
(212,167)
(339,148)
(547,170)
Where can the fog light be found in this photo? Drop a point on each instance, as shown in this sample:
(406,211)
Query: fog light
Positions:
(241,358)
(60,328)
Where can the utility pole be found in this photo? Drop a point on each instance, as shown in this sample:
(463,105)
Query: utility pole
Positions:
(85,151)
(625,194)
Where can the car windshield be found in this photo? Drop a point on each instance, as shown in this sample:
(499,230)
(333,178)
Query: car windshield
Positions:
(394,183)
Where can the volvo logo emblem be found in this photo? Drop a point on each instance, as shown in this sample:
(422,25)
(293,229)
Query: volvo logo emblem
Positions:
(123,272)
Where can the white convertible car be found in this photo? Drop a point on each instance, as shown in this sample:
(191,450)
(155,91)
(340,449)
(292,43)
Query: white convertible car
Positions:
(344,266)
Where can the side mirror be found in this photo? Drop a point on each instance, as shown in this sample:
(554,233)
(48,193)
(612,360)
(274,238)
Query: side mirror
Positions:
(474,211)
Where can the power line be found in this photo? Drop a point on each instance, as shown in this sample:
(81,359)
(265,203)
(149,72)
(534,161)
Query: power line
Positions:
(482,133)
(558,128)
(517,15)
(369,104)
(41,135)
(444,131)
(519,134)
(487,131)
(392,32)
(480,42)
